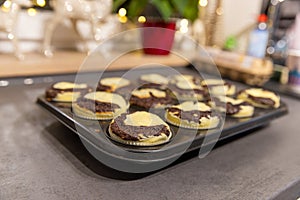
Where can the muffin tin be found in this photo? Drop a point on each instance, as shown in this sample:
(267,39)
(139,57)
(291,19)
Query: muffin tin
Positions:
(181,142)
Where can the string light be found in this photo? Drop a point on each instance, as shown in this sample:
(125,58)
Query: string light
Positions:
(123,19)
(10,36)
(142,19)
(203,3)
(122,12)
(184,23)
(6,6)
(122,15)
(31,11)
(41,3)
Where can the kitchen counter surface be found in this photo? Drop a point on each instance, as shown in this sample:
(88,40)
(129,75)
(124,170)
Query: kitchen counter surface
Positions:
(67,62)
(41,159)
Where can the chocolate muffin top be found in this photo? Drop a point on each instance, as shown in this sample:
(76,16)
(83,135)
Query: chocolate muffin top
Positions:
(101,102)
(231,106)
(148,97)
(62,87)
(139,126)
(260,96)
(191,111)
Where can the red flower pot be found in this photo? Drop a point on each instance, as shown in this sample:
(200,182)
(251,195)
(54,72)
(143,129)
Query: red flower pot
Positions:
(158,37)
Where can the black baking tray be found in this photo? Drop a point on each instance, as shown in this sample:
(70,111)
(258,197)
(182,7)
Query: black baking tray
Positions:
(98,143)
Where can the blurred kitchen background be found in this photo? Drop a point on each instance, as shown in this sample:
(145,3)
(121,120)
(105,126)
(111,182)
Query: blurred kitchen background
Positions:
(223,25)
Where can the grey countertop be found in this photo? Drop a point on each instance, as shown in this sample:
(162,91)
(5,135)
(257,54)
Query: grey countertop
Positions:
(41,159)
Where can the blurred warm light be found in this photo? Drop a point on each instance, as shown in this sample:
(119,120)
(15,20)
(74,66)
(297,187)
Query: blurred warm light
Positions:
(219,11)
(184,29)
(122,12)
(6,6)
(68,6)
(31,11)
(10,36)
(184,23)
(123,19)
(281,1)
(203,3)
(142,19)
(41,3)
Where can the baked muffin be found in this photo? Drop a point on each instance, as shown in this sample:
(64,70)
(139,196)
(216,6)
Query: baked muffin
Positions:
(194,115)
(237,108)
(140,129)
(218,87)
(66,91)
(184,77)
(186,90)
(153,81)
(112,84)
(99,106)
(150,97)
(260,97)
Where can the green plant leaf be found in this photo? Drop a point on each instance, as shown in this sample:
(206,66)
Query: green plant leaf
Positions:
(187,8)
(179,5)
(135,8)
(191,10)
(164,7)
(117,4)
